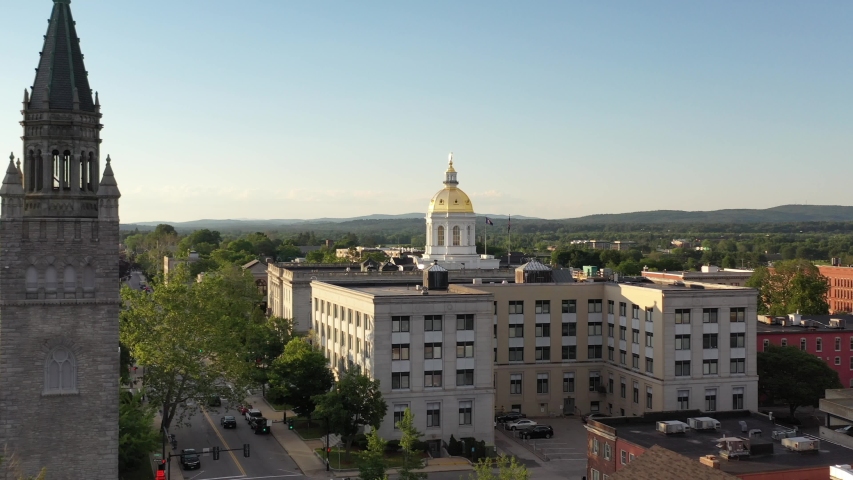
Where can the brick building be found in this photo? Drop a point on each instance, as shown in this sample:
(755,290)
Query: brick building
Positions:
(840,295)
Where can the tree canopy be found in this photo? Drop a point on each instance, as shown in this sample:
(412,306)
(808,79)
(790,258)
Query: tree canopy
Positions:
(794,376)
(300,375)
(355,401)
(789,287)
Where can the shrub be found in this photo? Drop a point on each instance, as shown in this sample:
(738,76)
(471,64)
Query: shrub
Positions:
(454,447)
(360,441)
(421,446)
(392,446)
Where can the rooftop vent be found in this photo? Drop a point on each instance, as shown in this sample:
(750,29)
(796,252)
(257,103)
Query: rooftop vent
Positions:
(534,272)
(436,277)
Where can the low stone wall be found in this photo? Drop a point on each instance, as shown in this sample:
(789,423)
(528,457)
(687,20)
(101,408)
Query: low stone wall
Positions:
(831,435)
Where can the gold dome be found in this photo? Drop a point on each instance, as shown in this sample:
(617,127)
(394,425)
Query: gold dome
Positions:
(450,200)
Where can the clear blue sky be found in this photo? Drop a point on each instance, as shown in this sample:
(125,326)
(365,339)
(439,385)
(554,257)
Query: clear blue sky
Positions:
(284,109)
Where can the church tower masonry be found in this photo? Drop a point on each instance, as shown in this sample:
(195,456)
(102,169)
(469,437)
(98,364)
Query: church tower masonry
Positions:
(59,276)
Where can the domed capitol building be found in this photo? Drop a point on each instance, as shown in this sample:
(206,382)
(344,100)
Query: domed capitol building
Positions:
(451,229)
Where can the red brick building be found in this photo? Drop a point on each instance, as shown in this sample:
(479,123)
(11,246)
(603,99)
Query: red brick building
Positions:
(840,296)
(829,337)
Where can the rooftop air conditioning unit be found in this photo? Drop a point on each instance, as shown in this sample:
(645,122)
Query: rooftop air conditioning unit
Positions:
(801,444)
(836,323)
(670,427)
(703,423)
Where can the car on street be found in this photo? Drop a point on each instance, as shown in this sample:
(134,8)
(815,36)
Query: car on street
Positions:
(190,459)
(537,431)
(593,416)
(259,425)
(520,424)
(509,417)
(253,413)
(228,421)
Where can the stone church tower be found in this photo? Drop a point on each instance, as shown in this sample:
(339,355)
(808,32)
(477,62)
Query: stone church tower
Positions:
(59,276)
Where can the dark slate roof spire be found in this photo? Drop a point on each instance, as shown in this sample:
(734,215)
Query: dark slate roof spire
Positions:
(61,77)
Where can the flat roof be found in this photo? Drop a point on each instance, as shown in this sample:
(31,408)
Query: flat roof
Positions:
(409,291)
(696,444)
(820,324)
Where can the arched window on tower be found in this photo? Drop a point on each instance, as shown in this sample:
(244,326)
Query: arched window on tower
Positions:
(83,171)
(93,173)
(440,236)
(30,171)
(60,372)
(32,282)
(69,282)
(56,169)
(88,282)
(50,282)
(39,171)
(456,236)
(66,170)
(468,238)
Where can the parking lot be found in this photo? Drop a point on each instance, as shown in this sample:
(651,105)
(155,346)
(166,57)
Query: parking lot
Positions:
(565,450)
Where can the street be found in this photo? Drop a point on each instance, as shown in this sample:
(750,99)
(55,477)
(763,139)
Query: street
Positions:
(267,460)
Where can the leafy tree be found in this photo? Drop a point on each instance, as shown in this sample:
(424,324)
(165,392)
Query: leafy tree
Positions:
(300,375)
(794,376)
(791,286)
(265,342)
(191,338)
(203,241)
(136,434)
(354,402)
(412,459)
(125,362)
(508,469)
(372,464)
(286,253)
(164,230)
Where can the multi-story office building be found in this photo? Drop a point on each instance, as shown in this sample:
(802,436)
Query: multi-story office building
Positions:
(431,352)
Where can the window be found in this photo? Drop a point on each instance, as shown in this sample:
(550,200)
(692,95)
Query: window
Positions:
(516,307)
(622,388)
(594,381)
(709,315)
(737,340)
(837,344)
(623,330)
(709,341)
(399,380)
(606,453)
(819,345)
(636,392)
(684,399)
(624,457)
(570,329)
(465,408)
(542,353)
(432,378)
(610,330)
(357,319)
(737,365)
(433,414)
(610,386)
(851,344)
(432,323)
(682,315)
(60,372)
(737,398)
(515,384)
(593,473)
(766,343)
(622,309)
(465,322)
(464,349)
(516,354)
(595,446)
(594,328)
(610,351)
(803,344)
(593,351)
(399,410)
(541,383)
(543,329)
(516,331)
(851,363)
(543,306)
(650,365)
(737,314)
(456,236)
(594,306)
(709,367)
(838,360)
(399,324)
(568,382)
(710,399)
(610,307)
(432,350)
(682,368)
(635,360)
(682,342)
(570,352)
(464,377)
(570,306)
(649,311)
(622,357)
(635,311)
(440,236)
(635,336)
(648,397)
(400,351)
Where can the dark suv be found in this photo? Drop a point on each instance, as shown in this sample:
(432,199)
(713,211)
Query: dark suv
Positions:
(228,421)
(259,425)
(189,459)
(509,417)
(538,431)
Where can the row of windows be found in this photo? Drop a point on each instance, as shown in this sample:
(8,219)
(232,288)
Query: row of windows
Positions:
(567,352)
(682,316)
(432,323)
(433,416)
(339,312)
(818,344)
(346,340)
(456,236)
(401,380)
(709,367)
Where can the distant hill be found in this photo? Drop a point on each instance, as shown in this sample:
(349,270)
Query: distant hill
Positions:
(781,214)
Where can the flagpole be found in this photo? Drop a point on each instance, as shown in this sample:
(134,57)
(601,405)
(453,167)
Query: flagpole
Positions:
(508,237)
(486,239)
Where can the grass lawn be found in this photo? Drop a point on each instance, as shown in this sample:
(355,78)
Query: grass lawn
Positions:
(316,430)
(394,460)
(144,472)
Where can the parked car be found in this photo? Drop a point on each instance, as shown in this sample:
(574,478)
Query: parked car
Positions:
(190,459)
(259,425)
(509,417)
(228,421)
(593,416)
(253,413)
(520,424)
(537,431)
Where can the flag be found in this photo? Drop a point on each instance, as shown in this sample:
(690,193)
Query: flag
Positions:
(488,222)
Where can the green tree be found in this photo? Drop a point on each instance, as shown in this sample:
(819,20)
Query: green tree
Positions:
(265,342)
(791,286)
(300,375)
(136,435)
(191,338)
(412,459)
(125,363)
(794,376)
(371,463)
(354,402)
(508,468)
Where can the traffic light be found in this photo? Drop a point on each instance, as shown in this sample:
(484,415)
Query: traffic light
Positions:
(290,424)
(216,453)
(328,449)
(246,450)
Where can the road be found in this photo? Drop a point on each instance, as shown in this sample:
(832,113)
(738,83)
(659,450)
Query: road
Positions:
(267,460)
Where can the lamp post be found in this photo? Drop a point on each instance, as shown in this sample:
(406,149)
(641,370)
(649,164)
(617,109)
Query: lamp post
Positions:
(327,444)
